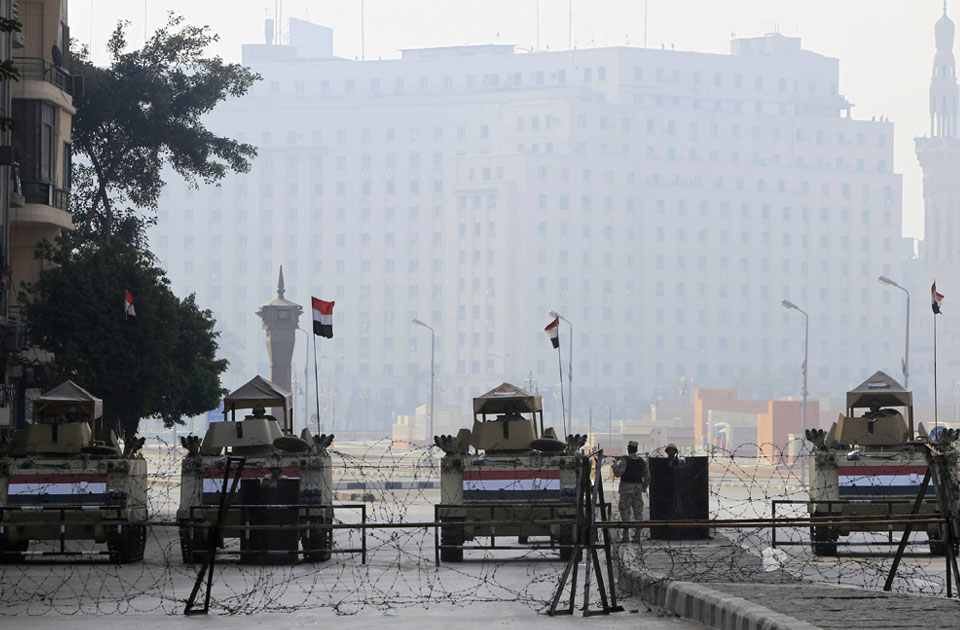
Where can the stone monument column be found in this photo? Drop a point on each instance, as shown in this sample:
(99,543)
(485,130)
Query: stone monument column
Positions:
(280,321)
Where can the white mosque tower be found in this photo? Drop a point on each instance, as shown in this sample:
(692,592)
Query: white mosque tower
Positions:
(943,86)
(939,156)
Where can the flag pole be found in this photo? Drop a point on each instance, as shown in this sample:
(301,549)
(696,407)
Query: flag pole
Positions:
(316,383)
(936,415)
(563,404)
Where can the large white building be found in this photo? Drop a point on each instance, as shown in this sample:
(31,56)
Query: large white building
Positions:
(664,201)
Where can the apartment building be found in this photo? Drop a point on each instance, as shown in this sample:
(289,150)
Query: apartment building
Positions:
(664,201)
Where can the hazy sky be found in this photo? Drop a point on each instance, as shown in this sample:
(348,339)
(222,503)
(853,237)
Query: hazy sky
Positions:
(885,47)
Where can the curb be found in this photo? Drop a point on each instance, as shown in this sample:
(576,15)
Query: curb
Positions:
(715,609)
(698,602)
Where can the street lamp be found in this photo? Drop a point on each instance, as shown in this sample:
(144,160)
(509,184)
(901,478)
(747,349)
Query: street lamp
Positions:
(433,345)
(787,304)
(905,363)
(306,377)
(557,315)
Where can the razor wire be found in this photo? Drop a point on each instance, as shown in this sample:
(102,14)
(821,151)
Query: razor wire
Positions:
(400,485)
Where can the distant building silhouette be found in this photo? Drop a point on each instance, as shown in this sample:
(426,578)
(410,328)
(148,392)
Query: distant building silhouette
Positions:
(664,201)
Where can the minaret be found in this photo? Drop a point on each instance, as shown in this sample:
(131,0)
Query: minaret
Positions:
(943,86)
(280,321)
(939,157)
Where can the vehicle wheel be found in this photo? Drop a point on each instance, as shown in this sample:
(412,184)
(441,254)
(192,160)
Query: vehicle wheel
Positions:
(12,553)
(566,552)
(137,542)
(824,541)
(319,542)
(938,547)
(128,544)
(451,535)
(192,548)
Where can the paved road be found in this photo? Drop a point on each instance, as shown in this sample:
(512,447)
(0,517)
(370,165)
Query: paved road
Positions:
(442,617)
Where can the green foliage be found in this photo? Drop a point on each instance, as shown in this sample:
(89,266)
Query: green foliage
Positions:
(10,25)
(146,112)
(160,364)
(139,116)
(9,71)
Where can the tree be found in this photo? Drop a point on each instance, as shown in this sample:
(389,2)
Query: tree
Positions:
(161,363)
(139,116)
(143,113)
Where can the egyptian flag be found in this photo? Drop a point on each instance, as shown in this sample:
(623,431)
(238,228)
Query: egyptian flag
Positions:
(553,331)
(322,318)
(129,312)
(935,298)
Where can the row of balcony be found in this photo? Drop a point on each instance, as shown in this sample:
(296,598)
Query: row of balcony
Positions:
(46,194)
(37,69)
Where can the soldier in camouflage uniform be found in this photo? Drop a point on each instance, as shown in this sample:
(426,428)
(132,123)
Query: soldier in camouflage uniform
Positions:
(634,478)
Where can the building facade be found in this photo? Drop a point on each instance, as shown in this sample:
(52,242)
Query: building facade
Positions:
(665,202)
(42,109)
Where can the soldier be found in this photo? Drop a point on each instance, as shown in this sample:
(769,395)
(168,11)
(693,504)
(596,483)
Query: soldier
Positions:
(634,478)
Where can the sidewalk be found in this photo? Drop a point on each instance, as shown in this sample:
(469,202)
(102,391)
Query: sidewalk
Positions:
(723,586)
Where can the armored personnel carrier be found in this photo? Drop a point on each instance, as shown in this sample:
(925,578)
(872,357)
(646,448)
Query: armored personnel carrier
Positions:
(507,468)
(59,483)
(869,464)
(286,486)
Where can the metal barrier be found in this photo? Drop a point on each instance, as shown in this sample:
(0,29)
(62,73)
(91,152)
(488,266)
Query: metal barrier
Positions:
(117,520)
(305,521)
(551,506)
(889,516)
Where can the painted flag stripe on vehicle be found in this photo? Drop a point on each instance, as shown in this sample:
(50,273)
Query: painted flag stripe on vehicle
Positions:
(59,478)
(870,471)
(883,490)
(253,473)
(511,474)
(78,488)
(531,496)
(511,485)
(212,486)
(881,480)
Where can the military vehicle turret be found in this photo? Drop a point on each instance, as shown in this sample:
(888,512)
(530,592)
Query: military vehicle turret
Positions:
(866,460)
(59,483)
(507,468)
(286,487)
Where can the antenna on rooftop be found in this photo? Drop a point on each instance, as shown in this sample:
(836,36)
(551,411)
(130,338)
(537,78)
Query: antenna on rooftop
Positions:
(538,23)
(646,16)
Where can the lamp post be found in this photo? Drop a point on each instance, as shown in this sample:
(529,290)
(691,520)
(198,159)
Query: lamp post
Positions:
(306,377)
(433,347)
(569,366)
(787,304)
(905,363)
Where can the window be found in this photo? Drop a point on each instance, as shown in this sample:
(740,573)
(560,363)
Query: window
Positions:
(34,139)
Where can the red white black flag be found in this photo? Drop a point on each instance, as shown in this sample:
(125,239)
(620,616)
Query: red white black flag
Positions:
(128,309)
(553,331)
(935,298)
(322,318)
